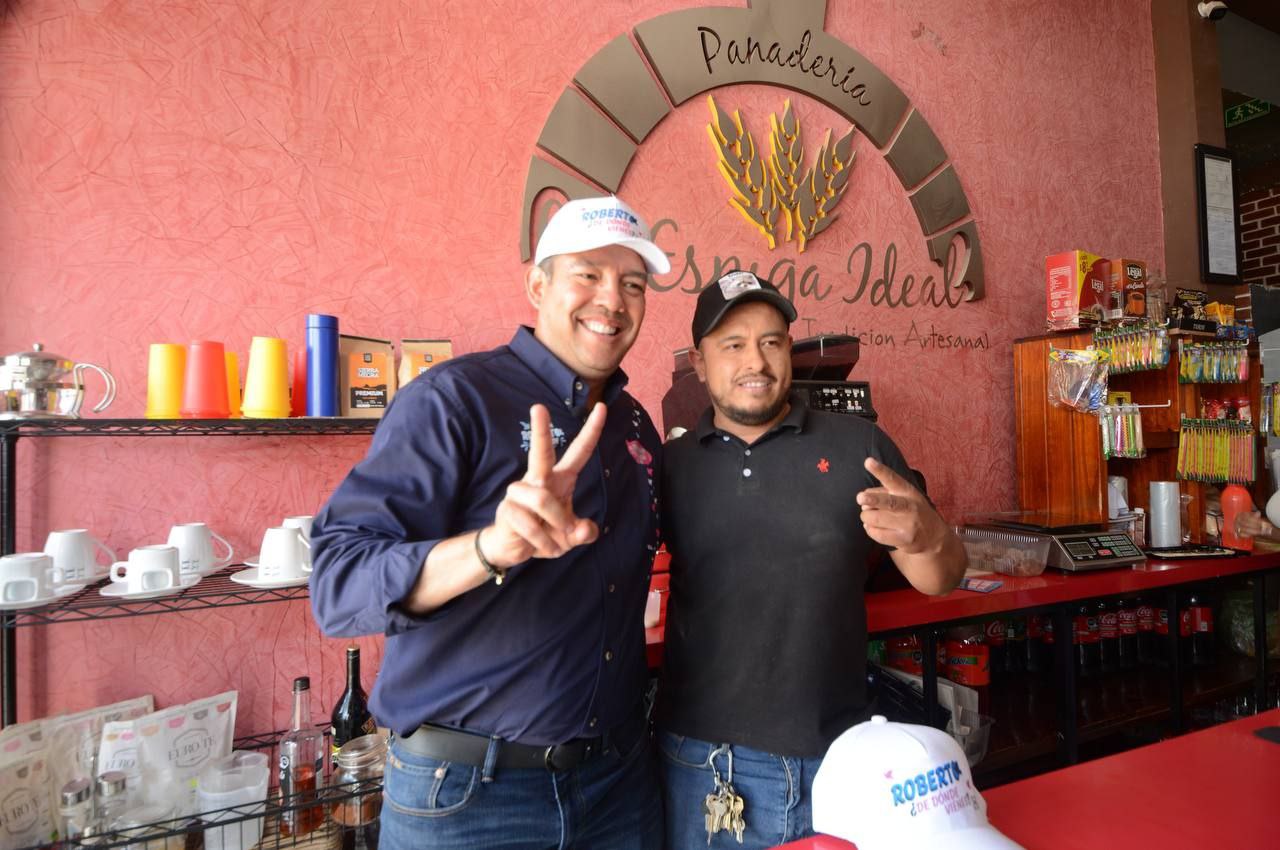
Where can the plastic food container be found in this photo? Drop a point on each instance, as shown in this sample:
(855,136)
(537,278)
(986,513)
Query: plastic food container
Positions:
(973,733)
(1009,552)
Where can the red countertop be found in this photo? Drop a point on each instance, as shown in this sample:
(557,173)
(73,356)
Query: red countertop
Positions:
(901,609)
(1213,788)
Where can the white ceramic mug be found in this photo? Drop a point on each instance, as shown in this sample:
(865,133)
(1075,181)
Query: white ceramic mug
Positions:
(194,542)
(285,555)
(303,524)
(148,568)
(26,577)
(75,555)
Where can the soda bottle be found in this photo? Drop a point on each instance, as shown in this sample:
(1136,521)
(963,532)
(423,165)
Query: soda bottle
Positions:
(969,664)
(1127,619)
(1109,637)
(1200,620)
(995,633)
(1015,644)
(1086,637)
(1146,632)
(1034,644)
(1047,651)
(1160,638)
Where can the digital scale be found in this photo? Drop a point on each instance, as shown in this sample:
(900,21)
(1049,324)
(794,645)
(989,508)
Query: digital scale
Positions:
(1073,547)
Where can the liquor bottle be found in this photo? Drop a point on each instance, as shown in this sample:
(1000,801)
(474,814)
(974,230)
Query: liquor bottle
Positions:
(1109,637)
(351,717)
(301,767)
(1127,619)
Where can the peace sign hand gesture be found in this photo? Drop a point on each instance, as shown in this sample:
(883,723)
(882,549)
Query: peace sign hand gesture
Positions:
(535,519)
(897,514)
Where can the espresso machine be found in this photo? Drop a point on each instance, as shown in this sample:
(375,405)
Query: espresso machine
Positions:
(819,368)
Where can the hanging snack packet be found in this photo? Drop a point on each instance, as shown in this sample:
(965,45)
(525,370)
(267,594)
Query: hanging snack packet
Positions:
(1077,379)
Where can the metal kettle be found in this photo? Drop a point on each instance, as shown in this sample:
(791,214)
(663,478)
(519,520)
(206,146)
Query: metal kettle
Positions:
(35,384)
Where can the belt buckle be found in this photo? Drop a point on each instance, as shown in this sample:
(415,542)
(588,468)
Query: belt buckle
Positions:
(547,756)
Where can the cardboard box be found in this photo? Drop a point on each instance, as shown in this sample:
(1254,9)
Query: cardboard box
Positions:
(366,376)
(1075,289)
(1223,314)
(1127,289)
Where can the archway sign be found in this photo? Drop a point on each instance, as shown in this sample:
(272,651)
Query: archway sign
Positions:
(627,87)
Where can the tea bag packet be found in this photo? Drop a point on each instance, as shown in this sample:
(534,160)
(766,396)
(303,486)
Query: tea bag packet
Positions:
(25,816)
(118,750)
(175,744)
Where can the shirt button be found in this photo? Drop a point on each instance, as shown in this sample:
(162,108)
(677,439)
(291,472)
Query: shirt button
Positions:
(568,402)
(725,438)
(612,587)
(592,723)
(577,385)
(608,655)
(606,473)
(746,473)
(607,529)
(747,452)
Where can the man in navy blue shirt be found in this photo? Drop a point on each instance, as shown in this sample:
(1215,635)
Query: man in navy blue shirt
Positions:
(511,585)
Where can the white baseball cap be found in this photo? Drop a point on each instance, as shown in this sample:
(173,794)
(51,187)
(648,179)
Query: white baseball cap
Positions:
(897,786)
(591,223)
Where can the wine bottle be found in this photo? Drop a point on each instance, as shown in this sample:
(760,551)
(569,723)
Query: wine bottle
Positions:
(351,717)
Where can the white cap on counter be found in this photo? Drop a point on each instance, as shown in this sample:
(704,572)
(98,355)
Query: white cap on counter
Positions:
(898,786)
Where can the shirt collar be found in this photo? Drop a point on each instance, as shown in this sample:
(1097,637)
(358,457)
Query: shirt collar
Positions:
(793,421)
(570,389)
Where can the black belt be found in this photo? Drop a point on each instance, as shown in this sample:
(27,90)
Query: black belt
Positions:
(459,747)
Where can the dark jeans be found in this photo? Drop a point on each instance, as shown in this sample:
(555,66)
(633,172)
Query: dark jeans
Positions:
(776,791)
(610,802)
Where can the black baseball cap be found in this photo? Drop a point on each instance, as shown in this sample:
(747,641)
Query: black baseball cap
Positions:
(732,289)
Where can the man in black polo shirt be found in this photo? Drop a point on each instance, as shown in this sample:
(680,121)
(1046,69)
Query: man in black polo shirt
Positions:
(771,512)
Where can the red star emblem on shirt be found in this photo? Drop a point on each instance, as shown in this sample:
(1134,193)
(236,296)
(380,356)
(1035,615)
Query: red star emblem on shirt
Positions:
(823,466)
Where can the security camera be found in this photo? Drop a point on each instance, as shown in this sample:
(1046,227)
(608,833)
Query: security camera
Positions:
(1214,11)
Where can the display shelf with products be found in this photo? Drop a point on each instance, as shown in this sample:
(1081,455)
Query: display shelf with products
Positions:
(338,815)
(216,590)
(213,591)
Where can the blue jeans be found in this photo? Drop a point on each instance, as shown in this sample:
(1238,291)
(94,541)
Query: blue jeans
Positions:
(775,790)
(609,802)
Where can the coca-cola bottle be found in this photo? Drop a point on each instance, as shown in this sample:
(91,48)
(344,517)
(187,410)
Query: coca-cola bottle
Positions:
(1047,651)
(1160,637)
(1015,644)
(1200,618)
(1146,631)
(1086,637)
(1127,619)
(1109,637)
(994,640)
(1034,644)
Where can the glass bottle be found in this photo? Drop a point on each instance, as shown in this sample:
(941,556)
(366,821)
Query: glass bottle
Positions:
(301,767)
(75,809)
(113,796)
(359,773)
(351,718)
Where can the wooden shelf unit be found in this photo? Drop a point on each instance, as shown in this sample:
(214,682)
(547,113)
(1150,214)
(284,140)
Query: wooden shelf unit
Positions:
(1060,465)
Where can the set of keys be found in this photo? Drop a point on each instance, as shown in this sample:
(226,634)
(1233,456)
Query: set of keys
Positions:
(723,807)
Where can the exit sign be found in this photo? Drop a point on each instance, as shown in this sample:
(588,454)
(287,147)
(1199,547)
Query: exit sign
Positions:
(1246,111)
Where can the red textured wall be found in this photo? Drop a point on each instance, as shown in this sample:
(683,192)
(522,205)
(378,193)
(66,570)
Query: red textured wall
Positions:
(1260,236)
(170,172)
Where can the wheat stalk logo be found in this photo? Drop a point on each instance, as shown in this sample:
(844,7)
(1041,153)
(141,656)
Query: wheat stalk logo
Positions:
(766,191)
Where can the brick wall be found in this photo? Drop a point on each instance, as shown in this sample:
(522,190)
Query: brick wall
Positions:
(1260,236)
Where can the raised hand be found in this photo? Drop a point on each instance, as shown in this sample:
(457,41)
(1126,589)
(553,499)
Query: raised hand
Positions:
(535,519)
(897,514)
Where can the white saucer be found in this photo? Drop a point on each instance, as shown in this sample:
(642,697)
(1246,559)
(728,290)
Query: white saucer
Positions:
(250,578)
(61,592)
(119,590)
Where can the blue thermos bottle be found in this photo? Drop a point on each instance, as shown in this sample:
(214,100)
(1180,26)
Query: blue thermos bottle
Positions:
(322,365)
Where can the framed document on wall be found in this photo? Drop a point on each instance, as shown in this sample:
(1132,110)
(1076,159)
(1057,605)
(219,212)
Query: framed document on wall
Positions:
(1219,215)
